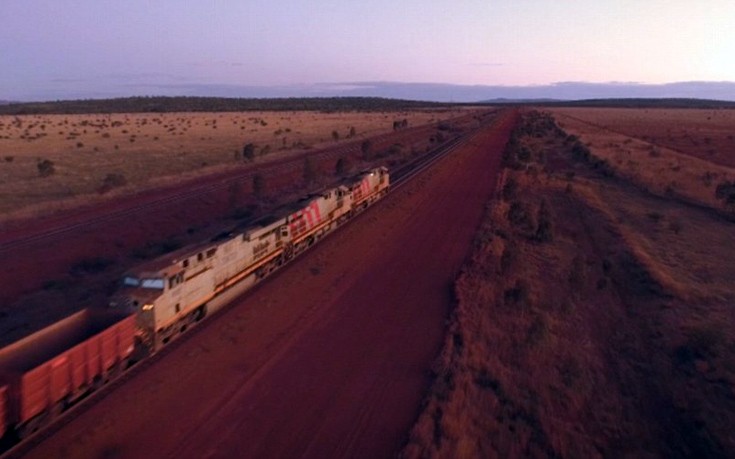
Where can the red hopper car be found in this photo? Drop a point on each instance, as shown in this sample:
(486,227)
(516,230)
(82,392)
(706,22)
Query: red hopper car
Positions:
(46,372)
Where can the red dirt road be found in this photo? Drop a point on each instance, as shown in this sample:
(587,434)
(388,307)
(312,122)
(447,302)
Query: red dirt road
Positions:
(328,359)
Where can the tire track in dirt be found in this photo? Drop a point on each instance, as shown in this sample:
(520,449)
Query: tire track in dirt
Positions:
(328,359)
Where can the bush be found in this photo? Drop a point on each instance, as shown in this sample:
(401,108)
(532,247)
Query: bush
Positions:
(309,171)
(91,265)
(580,152)
(510,189)
(259,185)
(248,152)
(46,168)
(112,181)
(367,149)
(725,191)
(544,232)
(518,216)
(539,330)
(524,154)
(518,294)
(342,167)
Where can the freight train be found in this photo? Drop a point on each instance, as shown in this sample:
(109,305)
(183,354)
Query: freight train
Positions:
(49,371)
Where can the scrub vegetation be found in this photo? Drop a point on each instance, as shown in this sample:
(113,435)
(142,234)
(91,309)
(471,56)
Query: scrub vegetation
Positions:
(594,317)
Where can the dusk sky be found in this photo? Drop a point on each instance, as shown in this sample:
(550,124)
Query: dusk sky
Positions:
(96,48)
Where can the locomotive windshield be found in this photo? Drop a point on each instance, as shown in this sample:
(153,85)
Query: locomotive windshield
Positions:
(152,283)
(131,281)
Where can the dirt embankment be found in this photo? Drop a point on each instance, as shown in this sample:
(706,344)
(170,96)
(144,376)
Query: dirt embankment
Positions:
(594,319)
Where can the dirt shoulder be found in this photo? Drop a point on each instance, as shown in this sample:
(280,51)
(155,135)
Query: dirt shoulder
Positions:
(593,320)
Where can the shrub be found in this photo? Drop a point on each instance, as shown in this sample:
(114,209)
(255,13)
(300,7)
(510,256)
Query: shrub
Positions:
(655,216)
(248,152)
(544,232)
(259,185)
(112,181)
(367,149)
(510,189)
(91,265)
(577,273)
(335,135)
(518,216)
(725,191)
(524,154)
(580,152)
(46,168)
(518,294)
(539,330)
(508,258)
(342,166)
(309,171)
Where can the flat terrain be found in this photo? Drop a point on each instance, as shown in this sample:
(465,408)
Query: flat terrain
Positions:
(707,134)
(94,154)
(594,318)
(330,357)
(673,153)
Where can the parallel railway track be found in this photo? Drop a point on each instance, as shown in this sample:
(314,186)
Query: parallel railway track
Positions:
(17,239)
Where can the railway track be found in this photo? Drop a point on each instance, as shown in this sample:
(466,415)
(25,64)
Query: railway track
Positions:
(26,238)
(399,177)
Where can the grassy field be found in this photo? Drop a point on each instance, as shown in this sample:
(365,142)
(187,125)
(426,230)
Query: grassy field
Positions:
(682,153)
(91,154)
(594,318)
(708,134)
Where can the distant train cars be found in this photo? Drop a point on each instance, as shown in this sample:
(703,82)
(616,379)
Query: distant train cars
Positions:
(48,371)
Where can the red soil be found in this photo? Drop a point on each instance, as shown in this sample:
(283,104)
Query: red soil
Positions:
(330,357)
(42,272)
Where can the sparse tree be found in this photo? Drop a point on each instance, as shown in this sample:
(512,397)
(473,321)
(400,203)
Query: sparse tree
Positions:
(248,152)
(46,168)
(335,135)
(352,131)
(367,149)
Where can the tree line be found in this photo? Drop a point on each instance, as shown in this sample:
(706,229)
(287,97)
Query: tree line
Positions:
(211,104)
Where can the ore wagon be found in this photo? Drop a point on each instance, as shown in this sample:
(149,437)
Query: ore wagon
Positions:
(46,372)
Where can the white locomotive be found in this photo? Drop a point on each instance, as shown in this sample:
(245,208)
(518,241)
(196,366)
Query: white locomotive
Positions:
(171,293)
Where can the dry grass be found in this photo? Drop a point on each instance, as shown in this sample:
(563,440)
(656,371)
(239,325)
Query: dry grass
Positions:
(613,337)
(661,170)
(708,134)
(145,149)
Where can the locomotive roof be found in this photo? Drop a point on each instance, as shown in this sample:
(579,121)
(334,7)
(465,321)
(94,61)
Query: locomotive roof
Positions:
(166,260)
